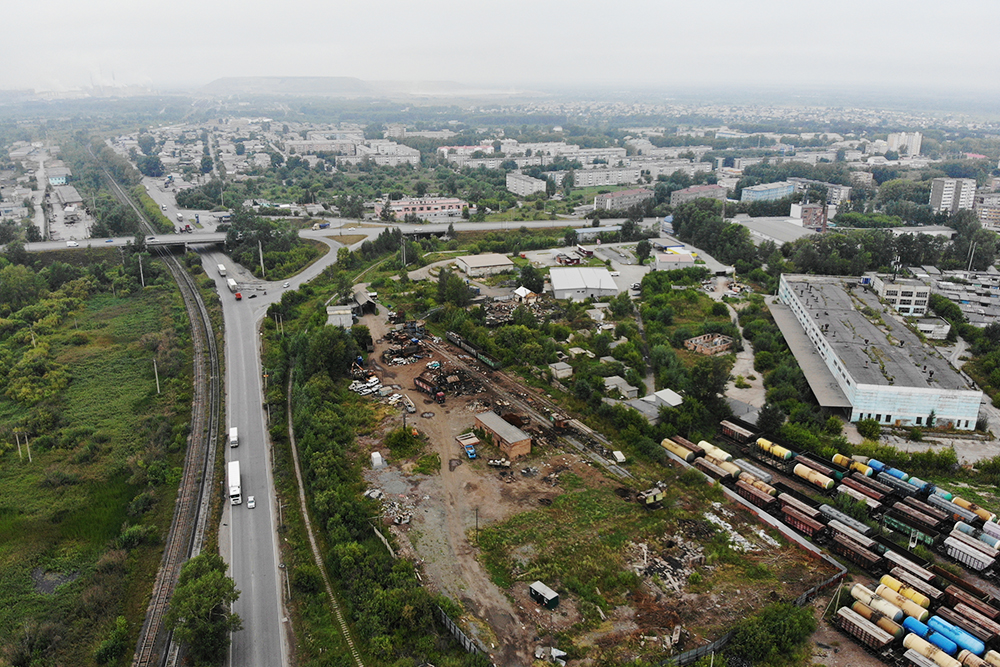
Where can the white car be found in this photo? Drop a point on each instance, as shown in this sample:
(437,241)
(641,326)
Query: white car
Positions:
(72,244)
(615,274)
(285,285)
(251,503)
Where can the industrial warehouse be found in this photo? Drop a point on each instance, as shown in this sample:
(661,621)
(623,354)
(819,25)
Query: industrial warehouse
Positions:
(866,368)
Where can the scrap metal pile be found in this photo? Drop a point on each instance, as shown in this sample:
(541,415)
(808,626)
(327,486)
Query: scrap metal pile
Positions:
(455,381)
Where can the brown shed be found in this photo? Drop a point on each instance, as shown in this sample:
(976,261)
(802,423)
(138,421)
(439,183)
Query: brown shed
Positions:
(511,440)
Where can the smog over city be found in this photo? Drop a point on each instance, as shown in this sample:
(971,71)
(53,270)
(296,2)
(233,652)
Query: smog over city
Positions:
(413,334)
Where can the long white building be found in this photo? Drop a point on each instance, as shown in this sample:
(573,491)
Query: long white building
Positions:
(865,369)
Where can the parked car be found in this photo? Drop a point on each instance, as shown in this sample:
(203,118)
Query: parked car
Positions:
(72,244)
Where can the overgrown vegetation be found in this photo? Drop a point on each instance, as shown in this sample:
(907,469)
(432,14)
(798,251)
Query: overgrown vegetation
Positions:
(81,521)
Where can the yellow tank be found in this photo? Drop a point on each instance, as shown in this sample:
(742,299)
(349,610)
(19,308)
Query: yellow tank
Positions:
(904,590)
(886,608)
(878,618)
(813,477)
(909,607)
(841,460)
(683,452)
(757,484)
(992,658)
(731,468)
(970,659)
(774,450)
(985,515)
(712,450)
(861,468)
(928,650)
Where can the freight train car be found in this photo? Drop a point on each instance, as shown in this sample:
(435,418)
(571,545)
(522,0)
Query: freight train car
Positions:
(680,451)
(756,471)
(936,595)
(710,469)
(916,517)
(901,524)
(870,635)
(851,464)
(717,452)
(756,496)
(473,350)
(969,626)
(832,470)
(901,488)
(874,506)
(788,498)
(817,479)
(736,433)
(927,509)
(857,554)
(872,483)
(802,523)
(684,442)
(954,511)
(831,512)
(955,595)
(979,619)
(867,491)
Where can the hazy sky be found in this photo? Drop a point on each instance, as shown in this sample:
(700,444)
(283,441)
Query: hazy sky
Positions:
(63,44)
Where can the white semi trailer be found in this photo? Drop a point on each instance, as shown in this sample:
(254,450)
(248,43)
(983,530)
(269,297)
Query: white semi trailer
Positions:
(235,492)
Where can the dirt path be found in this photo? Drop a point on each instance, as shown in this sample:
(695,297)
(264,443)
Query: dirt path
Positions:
(447,506)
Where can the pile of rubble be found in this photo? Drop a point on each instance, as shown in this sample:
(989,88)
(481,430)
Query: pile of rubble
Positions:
(672,565)
(399,509)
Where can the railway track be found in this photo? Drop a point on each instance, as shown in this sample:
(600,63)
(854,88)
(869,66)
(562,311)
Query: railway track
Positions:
(531,409)
(193,504)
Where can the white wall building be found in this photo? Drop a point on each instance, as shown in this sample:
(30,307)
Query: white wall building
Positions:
(484,265)
(910,141)
(906,295)
(522,185)
(953,194)
(579,283)
(852,363)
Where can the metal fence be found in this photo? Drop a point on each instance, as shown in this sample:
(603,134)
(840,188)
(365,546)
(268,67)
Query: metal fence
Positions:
(694,654)
(456,632)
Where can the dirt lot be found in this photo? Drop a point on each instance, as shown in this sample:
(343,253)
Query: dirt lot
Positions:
(446,508)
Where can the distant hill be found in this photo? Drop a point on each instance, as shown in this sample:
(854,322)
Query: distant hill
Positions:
(333,86)
(338,86)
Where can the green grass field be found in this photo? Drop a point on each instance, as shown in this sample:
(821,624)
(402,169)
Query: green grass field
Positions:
(106,452)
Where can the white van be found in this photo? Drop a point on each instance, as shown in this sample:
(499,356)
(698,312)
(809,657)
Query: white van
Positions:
(234,438)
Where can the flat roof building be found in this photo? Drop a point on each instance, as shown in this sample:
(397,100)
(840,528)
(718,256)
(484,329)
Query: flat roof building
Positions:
(579,283)
(949,195)
(511,440)
(768,191)
(697,192)
(622,200)
(484,265)
(906,295)
(862,367)
(523,185)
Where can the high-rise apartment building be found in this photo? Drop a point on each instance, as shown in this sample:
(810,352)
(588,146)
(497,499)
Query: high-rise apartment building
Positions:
(910,141)
(949,195)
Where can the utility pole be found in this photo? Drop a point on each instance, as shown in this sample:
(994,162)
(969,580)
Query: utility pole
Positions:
(142,277)
(260,251)
(157,374)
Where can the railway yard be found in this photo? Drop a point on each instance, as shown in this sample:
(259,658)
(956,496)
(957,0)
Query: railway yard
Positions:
(905,609)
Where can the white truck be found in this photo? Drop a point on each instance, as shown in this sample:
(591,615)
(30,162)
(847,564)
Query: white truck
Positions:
(234,437)
(235,493)
(232,285)
(222,270)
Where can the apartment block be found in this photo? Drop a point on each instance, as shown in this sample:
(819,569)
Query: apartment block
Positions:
(949,195)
